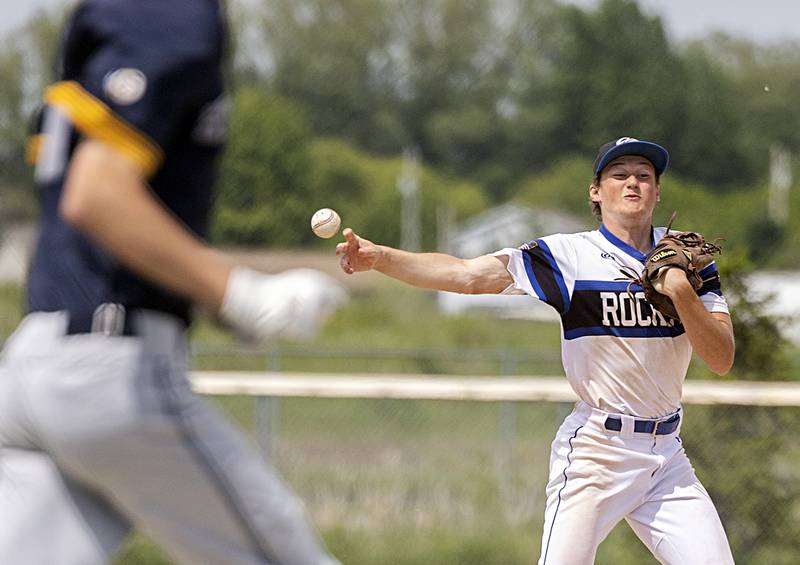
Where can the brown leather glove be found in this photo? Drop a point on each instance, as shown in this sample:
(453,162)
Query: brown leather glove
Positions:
(688,251)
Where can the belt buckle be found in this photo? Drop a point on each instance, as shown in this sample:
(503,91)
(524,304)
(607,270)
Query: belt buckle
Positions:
(109,319)
(667,420)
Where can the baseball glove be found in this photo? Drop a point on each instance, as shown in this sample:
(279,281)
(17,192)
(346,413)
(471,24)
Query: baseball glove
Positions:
(688,251)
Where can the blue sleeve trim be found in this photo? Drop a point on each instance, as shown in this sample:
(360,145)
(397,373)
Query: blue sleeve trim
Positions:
(562,286)
(526,258)
(709,270)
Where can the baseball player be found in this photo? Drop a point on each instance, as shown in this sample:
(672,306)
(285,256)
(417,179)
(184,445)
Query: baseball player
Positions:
(99,429)
(618,455)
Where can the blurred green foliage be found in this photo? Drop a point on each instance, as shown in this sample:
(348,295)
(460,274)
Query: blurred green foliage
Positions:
(328,93)
(274,173)
(762,352)
(264,185)
(477,93)
(27,60)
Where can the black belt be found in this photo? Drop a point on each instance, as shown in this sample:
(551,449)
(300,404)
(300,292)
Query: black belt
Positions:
(108,319)
(654,427)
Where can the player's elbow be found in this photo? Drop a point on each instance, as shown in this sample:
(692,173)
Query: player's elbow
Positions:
(97,181)
(722,369)
(483,275)
(481,285)
(727,366)
(723,363)
(73,210)
(76,207)
(719,351)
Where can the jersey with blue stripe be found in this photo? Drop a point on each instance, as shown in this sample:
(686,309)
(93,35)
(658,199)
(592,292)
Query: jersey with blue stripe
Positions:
(619,353)
(126,81)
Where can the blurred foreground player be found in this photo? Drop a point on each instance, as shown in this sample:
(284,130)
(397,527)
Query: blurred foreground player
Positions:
(100,432)
(618,455)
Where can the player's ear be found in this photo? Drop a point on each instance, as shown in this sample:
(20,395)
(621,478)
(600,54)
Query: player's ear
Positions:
(594,192)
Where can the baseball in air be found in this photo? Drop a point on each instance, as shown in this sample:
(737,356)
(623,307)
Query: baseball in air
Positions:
(325,223)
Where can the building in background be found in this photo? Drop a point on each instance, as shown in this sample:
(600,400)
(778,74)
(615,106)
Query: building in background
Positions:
(509,225)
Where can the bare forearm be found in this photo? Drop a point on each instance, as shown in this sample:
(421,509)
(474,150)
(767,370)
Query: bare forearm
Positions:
(711,335)
(117,210)
(423,270)
(438,271)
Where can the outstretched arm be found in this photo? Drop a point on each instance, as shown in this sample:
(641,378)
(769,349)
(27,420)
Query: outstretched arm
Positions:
(710,333)
(483,275)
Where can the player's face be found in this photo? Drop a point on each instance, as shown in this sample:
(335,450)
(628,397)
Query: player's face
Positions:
(627,188)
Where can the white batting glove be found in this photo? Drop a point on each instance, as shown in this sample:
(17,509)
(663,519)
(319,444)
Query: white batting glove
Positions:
(293,304)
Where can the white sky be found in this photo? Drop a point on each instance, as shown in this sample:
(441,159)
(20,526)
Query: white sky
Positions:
(765,21)
(16,12)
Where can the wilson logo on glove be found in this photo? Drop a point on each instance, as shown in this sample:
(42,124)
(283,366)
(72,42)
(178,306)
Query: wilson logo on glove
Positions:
(663,255)
(695,255)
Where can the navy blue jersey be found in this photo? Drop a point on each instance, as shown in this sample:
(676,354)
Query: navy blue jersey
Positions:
(145,77)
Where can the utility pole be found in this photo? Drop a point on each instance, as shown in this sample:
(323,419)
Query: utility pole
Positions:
(780,181)
(410,212)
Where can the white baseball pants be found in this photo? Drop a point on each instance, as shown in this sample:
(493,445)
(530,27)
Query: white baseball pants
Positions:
(599,477)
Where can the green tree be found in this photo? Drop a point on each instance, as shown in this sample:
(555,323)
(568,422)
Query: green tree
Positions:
(711,148)
(529,109)
(364,191)
(273,176)
(330,56)
(12,115)
(26,66)
(446,100)
(618,76)
(765,79)
(761,348)
(447,77)
(263,188)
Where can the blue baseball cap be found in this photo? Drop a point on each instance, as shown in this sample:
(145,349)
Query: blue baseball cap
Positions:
(653,152)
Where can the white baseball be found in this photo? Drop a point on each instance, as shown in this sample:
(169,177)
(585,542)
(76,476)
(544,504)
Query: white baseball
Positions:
(325,223)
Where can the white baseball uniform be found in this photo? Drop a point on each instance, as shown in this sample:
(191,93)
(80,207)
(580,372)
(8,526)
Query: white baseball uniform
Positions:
(618,454)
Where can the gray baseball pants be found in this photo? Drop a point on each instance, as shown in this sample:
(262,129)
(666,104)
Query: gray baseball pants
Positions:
(101,434)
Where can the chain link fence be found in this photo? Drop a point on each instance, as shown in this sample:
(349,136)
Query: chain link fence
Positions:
(462,482)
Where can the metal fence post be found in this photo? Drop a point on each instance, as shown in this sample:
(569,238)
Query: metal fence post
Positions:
(267,413)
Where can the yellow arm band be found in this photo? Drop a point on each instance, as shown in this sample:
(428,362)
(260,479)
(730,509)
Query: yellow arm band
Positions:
(96,120)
